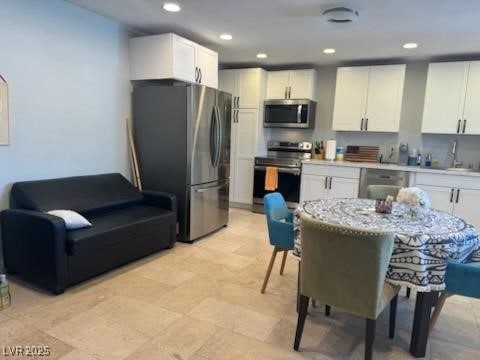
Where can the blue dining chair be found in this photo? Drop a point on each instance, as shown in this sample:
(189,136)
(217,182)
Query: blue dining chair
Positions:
(280,230)
(460,279)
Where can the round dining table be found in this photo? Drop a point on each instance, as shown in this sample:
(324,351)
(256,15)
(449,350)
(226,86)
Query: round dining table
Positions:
(426,240)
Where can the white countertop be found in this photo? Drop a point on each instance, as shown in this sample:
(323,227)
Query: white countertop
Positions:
(367,165)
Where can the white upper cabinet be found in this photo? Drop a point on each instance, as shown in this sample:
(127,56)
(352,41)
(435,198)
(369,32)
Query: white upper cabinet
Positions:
(169,56)
(244,85)
(445,97)
(292,84)
(471,114)
(207,66)
(350,98)
(384,100)
(368,98)
(277,84)
(303,84)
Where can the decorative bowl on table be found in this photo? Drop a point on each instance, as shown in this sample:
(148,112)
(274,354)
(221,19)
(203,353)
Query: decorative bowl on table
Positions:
(384,206)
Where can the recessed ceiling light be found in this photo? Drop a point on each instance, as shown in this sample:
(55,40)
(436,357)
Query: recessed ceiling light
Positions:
(329,51)
(226,37)
(410,46)
(171,7)
(262,55)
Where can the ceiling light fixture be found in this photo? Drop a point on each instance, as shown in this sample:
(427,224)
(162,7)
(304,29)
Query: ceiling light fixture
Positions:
(226,37)
(329,51)
(340,15)
(262,55)
(410,46)
(171,7)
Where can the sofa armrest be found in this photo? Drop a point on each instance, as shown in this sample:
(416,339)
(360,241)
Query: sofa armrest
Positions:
(34,246)
(161,199)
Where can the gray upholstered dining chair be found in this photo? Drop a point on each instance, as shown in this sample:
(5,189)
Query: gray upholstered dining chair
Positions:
(382,191)
(346,268)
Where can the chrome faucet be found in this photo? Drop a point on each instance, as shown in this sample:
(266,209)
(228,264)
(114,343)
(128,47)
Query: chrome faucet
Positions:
(453,153)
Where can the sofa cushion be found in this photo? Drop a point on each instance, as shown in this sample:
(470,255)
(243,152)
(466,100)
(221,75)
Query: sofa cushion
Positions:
(82,194)
(126,224)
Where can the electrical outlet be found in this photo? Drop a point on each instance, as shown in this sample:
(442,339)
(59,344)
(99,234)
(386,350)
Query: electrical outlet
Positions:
(4,131)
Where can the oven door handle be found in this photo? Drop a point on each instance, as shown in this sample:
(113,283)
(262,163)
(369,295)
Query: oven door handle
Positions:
(280,170)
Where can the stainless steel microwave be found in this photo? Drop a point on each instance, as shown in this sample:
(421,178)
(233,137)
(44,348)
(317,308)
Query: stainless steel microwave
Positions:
(296,113)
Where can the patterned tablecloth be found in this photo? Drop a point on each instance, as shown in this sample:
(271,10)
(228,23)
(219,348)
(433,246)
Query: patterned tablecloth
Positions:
(424,244)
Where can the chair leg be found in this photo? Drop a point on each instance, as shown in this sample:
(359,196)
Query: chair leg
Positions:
(393,316)
(327,310)
(369,338)
(284,260)
(269,269)
(408,292)
(437,311)
(302,314)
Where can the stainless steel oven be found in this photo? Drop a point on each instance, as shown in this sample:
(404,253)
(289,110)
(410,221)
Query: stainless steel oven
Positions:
(287,158)
(297,113)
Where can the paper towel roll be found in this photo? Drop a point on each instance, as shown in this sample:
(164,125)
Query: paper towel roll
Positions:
(331,150)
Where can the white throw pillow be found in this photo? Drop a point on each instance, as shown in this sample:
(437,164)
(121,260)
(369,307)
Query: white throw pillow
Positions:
(73,220)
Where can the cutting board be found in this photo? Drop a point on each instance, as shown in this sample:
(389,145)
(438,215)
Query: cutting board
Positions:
(362,153)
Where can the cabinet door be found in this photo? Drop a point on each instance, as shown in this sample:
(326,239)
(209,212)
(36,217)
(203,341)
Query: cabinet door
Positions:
(343,188)
(441,197)
(303,84)
(226,81)
(277,83)
(471,114)
(248,88)
(207,62)
(384,98)
(313,187)
(350,98)
(244,152)
(184,59)
(468,200)
(444,97)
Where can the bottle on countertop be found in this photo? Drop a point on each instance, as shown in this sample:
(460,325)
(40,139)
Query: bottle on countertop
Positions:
(428,160)
(419,159)
(5,299)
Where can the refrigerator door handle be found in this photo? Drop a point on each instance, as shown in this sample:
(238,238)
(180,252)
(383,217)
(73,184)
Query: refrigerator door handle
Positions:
(216,187)
(213,137)
(219,136)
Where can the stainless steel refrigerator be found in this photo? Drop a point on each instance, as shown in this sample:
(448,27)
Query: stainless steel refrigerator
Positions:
(182,136)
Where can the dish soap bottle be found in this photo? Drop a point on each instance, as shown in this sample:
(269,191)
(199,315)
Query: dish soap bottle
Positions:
(5,299)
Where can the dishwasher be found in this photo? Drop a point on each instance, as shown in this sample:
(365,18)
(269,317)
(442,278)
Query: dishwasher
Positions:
(381,177)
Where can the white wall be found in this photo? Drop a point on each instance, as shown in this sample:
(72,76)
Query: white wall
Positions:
(67,70)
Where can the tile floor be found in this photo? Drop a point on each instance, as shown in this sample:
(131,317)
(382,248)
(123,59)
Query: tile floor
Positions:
(203,301)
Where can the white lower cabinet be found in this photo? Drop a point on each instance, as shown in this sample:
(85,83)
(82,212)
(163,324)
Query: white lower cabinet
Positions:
(324,182)
(313,187)
(457,195)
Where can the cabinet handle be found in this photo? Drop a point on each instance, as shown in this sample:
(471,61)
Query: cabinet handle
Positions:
(200,72)
(366,124)
(361,125)
(238,101)
(458,196)
(458,126)
(326,182)
(330,184)
(289,92)
(451,195)
(196,74)
(286,92)
(464,125)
